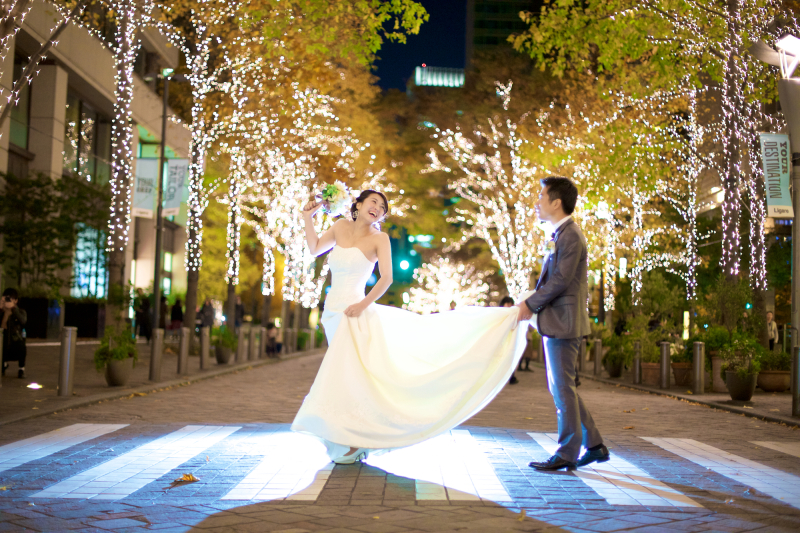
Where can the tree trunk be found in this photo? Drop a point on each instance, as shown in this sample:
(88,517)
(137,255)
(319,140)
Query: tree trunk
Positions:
(190,316)
(230,306)
(266,306)
(760,308)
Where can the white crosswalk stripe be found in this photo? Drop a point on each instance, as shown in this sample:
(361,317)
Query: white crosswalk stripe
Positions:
(789,448)
(450,466)
(779,485)
(133,470)
(620,482)
(21,452)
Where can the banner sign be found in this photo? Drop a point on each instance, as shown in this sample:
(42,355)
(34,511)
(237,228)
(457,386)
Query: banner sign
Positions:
(144,191)
(177,181)
(776,158)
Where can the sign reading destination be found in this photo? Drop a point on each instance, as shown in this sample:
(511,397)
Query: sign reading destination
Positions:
(177,180)
(776,157)
(144,191)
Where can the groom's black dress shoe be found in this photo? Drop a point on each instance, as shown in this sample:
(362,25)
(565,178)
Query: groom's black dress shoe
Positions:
(554,463)
(597,456)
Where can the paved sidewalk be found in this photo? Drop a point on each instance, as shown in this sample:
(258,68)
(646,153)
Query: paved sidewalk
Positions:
(677,466)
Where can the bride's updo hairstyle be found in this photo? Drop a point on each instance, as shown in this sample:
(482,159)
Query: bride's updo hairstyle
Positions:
(363,196)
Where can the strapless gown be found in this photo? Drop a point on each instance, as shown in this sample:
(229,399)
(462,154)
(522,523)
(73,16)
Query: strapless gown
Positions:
(392,378)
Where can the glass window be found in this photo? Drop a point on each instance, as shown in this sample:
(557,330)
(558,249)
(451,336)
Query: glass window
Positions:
(20,113)
(167,262)
(72,126)
(87,142)
(89,264)
(166,286)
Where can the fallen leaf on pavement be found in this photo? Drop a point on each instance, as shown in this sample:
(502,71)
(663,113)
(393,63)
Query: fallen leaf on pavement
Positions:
(31,504)
(646,409)
(689,392)
(629,427)
(375,517)
(748,492)
(774,410)
(729,501)
(629,411)
(746,407)
(521,516)
(140,394)
(186,478)
(207,459)
(528,418)
(5,487)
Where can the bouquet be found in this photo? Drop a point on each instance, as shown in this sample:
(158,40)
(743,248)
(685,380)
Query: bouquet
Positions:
(335,199)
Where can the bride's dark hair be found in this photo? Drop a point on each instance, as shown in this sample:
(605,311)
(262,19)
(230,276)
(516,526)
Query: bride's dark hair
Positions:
(363,196)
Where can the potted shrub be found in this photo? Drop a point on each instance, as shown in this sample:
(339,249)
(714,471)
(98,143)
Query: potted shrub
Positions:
(117,355)
(618,354)
(741,367)
(648,338)
(775,374)
(225,345)
(681,362)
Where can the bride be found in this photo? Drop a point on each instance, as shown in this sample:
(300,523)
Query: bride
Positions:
(393,378)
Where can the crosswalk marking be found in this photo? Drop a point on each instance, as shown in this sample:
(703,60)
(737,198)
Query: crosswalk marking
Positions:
(450,466)
(779,485)
(295,467)
(620,482)
(131,471)
(789,448)
(24,451)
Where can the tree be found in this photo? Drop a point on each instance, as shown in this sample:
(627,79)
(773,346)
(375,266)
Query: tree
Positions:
(443,281)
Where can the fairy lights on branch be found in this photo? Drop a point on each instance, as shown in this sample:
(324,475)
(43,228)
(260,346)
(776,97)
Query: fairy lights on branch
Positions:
(443,281)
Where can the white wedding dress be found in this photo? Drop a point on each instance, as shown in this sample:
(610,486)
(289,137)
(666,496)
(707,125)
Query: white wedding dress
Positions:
(393,378)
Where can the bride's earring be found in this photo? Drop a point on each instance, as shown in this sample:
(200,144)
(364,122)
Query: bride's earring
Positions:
(355,214)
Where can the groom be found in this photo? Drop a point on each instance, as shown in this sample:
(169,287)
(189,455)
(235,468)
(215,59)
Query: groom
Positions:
(560,302)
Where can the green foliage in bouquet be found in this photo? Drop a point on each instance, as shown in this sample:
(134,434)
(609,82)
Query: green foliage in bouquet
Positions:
(115,346)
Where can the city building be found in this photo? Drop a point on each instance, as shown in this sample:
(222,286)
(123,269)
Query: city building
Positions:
(491,22)
(61,125)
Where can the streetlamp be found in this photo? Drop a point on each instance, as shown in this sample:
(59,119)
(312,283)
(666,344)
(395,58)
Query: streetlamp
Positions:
(787,58)
(165,75)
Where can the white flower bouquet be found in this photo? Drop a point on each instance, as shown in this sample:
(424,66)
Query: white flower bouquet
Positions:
(335,198)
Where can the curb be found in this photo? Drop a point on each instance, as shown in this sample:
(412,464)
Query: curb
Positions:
(155,387)
(777,419)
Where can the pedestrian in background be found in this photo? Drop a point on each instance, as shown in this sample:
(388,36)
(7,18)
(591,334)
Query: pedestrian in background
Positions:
(144,320)
(13,324)
(772,330)
(207,314)
(176,315)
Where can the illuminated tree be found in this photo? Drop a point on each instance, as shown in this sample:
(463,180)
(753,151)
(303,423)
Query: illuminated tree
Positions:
(443,281)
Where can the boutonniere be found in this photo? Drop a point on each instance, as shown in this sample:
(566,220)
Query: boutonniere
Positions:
(550,247)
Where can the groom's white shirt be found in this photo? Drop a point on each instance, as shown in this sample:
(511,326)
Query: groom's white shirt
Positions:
(555,225)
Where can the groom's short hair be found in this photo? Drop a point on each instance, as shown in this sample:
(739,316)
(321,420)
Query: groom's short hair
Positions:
(559,188)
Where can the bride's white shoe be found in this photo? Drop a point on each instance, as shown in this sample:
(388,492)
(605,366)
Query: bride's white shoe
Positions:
(359,455)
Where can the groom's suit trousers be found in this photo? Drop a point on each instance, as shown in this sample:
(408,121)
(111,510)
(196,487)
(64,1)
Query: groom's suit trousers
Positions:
(575,424)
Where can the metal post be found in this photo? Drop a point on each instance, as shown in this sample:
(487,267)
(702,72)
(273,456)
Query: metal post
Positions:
(664,381)
(581,355)
(241,353)
(159,216)
(262,342)
(598,357)
(699,368)
(637,363)
(156,351)
(795,381)
(253,343)
(183,352)
(66,371)
(205,347)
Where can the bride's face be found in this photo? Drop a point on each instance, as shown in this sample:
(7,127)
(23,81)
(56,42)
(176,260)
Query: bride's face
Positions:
(373,209)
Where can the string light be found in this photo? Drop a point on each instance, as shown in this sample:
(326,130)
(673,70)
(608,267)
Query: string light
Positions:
(443,281)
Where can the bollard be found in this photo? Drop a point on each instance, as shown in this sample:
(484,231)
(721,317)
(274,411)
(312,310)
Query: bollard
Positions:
(699,368)
(795,381)
(156,352)
(637,363)
(241,346)
(598,356)
(262,342)
(253,344)
(183,352)
(66,371)
(310,339)
(581,355)
(205,347)
(664,381)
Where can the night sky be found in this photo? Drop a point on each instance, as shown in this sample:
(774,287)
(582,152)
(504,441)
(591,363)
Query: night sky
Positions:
(440,43)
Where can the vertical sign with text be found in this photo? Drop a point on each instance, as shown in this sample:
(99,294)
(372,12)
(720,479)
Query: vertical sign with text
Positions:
(777,161)
(144,191)
(177,176)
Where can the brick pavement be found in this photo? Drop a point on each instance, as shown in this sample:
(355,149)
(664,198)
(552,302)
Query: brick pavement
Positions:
(486,460)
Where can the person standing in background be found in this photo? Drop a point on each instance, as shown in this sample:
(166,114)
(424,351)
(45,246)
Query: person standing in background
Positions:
(176,315)
(207,314)
(12,324)
(772,330)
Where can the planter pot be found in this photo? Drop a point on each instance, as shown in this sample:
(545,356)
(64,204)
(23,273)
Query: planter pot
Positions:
(614,369)
(717,383)
(223,355)
(118,372)
(682,373)
(741,389)
(651,373)
(774,380)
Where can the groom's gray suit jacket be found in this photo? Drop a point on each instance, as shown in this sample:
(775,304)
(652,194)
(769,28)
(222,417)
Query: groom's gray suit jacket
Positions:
(562,292)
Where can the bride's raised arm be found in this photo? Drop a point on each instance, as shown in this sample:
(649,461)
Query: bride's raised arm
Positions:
(317,244)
